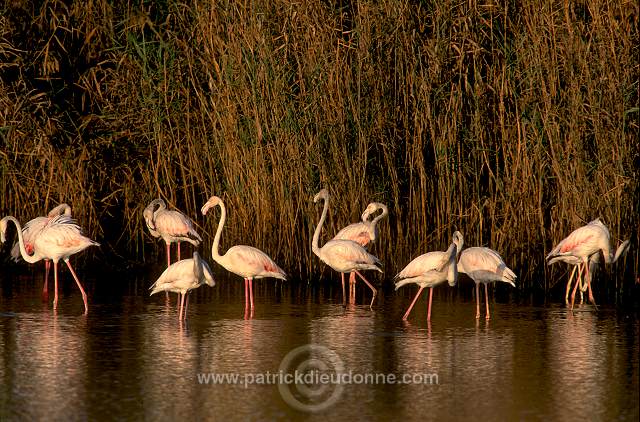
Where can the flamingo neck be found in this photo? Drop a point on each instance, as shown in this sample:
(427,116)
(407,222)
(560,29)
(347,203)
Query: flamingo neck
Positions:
(23,251)
(316,235)
(452,273)
(215,254)
(373,222)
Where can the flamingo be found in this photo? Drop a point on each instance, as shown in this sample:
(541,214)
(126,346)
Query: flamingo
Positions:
(593,261)
(183,276)
(363,233)
(30,230)
(483,265)
(246,261)
(344,256)
(171,225)
(429,270)
(581,244)
(60,238)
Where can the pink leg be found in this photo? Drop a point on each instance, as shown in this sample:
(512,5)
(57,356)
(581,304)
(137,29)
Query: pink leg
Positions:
(166,293)
(352,288)
(406,315)
(178,251)
(181,304)
(47,266)
(486,299)
(75,277)
(251,292)
(430,298)
(344,298)
(373,289)
(55,285)
(573,293)
(591,299)
(186,304)
(477,300)
(246,293)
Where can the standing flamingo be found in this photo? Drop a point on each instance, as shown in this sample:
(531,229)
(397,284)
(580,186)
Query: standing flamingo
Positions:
(30,230)
(61,237)
(171,225)
(246,261)
(582,243)
(344,256)
(593,261)
(429,270)
(183,276)
(483,265)
(363,233)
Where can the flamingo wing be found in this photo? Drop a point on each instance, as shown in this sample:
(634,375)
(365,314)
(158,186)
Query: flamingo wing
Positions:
(430,261)
(348,251)
(176,224)
(357,232)
(252,262)
(485,264)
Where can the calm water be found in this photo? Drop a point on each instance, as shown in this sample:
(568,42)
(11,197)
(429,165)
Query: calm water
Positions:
(130,358)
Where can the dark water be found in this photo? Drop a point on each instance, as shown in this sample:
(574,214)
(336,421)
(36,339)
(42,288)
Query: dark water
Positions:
(130,358)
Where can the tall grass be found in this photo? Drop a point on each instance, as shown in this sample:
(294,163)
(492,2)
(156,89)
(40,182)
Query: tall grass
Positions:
(514,122)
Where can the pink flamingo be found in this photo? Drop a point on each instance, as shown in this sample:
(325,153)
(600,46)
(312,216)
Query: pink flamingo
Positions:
(596,226)
(429,270)
(30,230)
(183,276)
(362,233)
(582,243)
(246,261)
(171,225)
(344,256)
(60,238)
(483,265)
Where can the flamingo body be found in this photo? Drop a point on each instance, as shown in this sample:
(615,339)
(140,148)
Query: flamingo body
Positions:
(60,238)
(183,276)
(365,231)
(429,270)
(246,261)
(170,225)
(344,256)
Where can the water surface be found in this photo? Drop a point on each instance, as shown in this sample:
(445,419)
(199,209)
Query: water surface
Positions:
(130,358)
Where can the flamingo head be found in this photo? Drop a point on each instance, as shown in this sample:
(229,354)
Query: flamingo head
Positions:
(458,239)
(212,202)
(148,218)
(323,194)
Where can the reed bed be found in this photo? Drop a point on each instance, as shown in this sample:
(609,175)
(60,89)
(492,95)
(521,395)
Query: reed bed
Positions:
(513,121)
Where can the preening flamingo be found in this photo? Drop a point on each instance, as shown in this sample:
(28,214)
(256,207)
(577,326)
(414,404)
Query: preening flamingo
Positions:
(30,230)
(60,238)
(429,270)
(483,265)
(246,261)
(171,225)
(582,243)
(363,233)
(594,259)
(344,256)
(183,276)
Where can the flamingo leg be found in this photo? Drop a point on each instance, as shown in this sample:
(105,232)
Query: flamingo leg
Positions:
(246,293)
(404,318)
(591,299)
(486,298)
(47,266)
(573,293)
(373,289)
(55,285)
(75,277)
(178,251)
(168,255)
(186,304)
(352,287)
(477,300)
(430,299)
(181,296)
(343,295)
(251,291)
(566,295)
